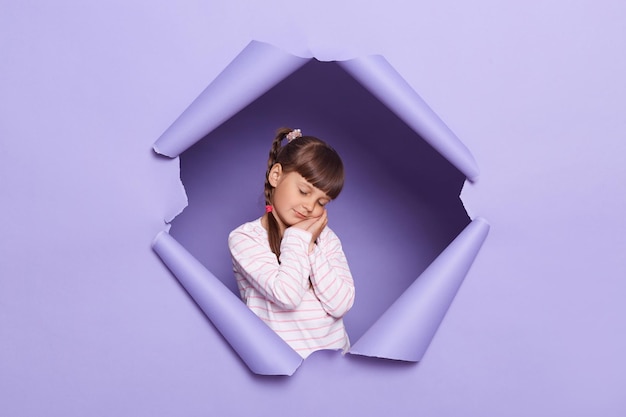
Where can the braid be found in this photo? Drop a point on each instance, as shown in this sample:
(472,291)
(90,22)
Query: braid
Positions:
(273,232)
(273,156)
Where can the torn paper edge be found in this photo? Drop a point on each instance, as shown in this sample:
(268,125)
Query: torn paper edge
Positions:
(257,69)
(175,210)
(408,326)
(253,72)
(260,66)
(263,351)
(385,83)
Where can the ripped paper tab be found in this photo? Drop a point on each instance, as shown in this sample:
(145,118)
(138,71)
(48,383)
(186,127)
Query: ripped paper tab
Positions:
(406,329)
(254,71)
(385,83)
(259,347)
(260,66)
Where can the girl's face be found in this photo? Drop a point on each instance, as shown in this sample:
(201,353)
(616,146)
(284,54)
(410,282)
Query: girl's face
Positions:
(294,198)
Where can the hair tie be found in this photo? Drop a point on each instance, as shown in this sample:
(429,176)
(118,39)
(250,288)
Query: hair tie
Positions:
(268,209)
(296,133)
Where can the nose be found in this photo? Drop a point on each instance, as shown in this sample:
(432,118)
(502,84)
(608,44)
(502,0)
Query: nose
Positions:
(308,204)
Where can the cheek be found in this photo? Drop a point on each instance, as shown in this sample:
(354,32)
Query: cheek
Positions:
(278,195)
(317,211)
(283,199)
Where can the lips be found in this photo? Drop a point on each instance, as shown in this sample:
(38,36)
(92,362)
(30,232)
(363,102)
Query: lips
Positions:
(300,215)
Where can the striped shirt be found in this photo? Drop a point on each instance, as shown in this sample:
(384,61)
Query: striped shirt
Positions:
(304,297)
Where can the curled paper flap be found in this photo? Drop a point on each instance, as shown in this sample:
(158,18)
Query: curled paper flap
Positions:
(254,71)
(406,329)
(384,82)
(268,354)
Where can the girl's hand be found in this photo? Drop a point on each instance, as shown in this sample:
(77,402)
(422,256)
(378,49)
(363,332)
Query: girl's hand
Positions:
(314,226)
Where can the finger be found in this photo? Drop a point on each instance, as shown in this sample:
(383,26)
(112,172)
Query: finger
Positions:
(321,222)
(304,224)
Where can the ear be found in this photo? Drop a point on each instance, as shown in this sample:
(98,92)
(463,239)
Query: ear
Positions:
(276,172)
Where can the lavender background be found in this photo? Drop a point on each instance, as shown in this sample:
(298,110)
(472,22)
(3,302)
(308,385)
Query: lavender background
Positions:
(91,323)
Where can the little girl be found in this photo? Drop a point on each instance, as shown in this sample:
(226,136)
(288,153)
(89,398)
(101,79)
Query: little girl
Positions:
(290,268)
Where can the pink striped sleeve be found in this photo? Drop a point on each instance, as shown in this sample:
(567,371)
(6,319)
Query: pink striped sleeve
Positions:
(283,284)
(330,275)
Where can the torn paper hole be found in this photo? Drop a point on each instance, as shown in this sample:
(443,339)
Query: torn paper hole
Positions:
(178,198)
(399,210)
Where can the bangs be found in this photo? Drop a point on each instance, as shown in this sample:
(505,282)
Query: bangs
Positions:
(316,161)
(324,170)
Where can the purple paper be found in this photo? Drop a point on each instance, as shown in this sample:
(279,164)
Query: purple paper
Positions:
(93,324)
(406,329)
(378,78)
(384,82)
(254,71)
(260,66)
(259,347)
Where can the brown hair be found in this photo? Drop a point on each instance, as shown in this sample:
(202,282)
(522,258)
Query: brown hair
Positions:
(310,157)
